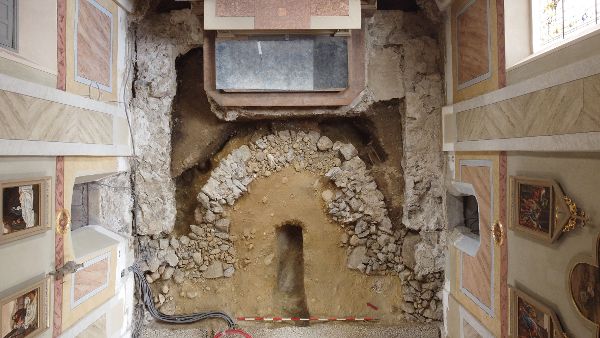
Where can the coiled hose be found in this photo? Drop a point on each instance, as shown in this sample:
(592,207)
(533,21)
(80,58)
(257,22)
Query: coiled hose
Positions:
(146,293)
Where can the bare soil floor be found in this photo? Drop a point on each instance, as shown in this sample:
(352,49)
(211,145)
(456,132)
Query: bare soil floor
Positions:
(331,289)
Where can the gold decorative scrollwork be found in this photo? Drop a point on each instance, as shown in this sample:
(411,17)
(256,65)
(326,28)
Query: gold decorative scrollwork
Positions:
(577,217)
(63,221)
(498,233)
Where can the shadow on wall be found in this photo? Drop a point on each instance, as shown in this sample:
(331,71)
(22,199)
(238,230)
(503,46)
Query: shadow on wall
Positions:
(400,5)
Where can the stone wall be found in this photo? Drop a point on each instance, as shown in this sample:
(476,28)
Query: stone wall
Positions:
(160,39)
(115,201)
(408,45)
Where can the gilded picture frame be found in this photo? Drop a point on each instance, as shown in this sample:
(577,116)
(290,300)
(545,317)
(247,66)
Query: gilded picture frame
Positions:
(25,309)
(527,313)
(584,287)
(537,208)
(12,195)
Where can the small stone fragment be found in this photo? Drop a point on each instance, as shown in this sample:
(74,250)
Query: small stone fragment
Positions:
(215,270)
(357,257)
(348,151)
(168,273)
(185,240)
(229,272)
(223,225)
(197,257)
(197,230)
(174,243)
(163,243)
(172,259)
(327,195)
(324,143)
(178,276)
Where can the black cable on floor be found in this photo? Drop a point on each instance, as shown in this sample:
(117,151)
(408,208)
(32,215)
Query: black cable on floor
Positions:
(146,293)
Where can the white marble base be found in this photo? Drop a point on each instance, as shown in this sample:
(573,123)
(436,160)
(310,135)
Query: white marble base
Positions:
(582,142)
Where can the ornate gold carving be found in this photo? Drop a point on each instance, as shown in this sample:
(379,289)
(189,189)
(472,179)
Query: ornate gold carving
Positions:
(63,221)
(498,233)
(577,217)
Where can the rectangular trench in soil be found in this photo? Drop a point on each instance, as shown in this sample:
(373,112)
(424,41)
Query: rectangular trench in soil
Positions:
(290,295)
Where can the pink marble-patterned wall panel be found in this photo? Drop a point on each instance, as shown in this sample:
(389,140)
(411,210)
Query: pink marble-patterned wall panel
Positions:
(94,44)
(503,172)
(58,247)
(61,30)
(235,7)
(282,14)
(330,7)
(477,271)
(473,45)
(90,279)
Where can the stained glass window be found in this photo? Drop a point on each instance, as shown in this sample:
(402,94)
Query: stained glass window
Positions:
(555,20)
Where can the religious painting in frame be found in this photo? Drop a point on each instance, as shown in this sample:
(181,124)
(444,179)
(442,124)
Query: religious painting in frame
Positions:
(540,209)
(529,318)
(24,208)
(24,311)
(584,286)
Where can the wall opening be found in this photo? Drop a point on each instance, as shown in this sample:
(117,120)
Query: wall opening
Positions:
(290,293)
(463,217)
(471,214)
(85,205)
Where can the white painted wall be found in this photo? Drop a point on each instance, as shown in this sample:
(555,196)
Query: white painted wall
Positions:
(30,257)
(542,269)
(517,31)
(118,309)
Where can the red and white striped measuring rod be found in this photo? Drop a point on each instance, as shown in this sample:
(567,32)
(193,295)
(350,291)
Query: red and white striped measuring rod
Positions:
(310,319)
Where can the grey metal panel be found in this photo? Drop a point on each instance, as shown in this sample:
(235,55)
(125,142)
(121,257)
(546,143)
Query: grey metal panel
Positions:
(330,63)
(282,63)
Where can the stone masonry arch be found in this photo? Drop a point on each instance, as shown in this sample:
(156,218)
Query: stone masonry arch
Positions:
(348,197)
(355,202)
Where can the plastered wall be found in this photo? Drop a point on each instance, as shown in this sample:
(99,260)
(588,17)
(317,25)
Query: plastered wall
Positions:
(78,170)
(36,32)
(35,254)
(518,32)
(540,269)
